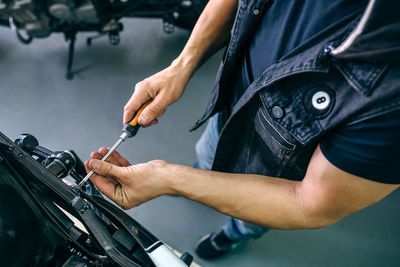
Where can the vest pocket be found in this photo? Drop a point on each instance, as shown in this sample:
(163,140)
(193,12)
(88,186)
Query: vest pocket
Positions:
(272,136)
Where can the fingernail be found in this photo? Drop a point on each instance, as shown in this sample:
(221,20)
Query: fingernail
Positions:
(96,165)
(144,119)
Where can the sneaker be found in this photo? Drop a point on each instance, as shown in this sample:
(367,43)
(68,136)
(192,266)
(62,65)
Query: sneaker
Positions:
(214,245)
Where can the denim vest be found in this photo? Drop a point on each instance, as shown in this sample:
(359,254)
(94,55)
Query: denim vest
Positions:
(276,125)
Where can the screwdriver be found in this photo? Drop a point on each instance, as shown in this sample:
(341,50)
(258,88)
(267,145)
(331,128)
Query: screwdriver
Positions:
(128,131)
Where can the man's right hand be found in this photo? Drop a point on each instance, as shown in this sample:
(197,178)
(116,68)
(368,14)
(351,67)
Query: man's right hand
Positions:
(164,88)
(211,33)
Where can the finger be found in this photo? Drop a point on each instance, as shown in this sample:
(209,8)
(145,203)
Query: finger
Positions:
(139,97)
(96,155)
(107,169)
(153,110)
(111,179)
(103,151)
(162,112)
(105,186)
(121,160)
(88,169)
(154,122)
(114,158)
(86,163)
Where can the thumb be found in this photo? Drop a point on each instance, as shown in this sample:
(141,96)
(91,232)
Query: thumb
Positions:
(106,169)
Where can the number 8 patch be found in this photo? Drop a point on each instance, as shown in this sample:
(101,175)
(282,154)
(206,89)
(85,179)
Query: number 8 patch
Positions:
(319,100)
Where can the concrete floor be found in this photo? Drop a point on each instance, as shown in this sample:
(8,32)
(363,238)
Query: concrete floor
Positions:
(86,113)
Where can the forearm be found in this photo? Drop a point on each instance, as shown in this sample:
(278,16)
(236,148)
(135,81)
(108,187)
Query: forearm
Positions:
(325,195)
(211,33)
(262,200)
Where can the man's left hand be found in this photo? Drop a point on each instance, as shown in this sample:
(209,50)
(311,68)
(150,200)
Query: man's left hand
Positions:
(125,184)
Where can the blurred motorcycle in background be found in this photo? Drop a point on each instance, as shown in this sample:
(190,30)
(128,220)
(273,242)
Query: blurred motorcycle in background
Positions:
(40,18)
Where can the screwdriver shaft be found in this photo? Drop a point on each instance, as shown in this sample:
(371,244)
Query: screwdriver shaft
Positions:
(122,138)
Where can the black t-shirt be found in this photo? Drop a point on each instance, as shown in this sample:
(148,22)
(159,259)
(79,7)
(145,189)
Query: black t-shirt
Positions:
(369,149)
(366,149)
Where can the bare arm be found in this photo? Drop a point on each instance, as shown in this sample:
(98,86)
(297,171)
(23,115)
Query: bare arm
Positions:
(210,33)
(326,195)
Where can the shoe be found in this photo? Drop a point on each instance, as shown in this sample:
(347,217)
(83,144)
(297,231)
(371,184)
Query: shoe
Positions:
(214,245)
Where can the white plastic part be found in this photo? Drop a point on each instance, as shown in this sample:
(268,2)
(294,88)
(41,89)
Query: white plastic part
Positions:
(357,31)
(164,257)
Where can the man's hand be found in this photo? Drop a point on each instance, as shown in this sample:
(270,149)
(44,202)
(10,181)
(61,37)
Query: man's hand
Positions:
(211,33)
(125,184)
(164,88)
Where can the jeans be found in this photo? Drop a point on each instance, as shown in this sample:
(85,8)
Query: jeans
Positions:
(234,229)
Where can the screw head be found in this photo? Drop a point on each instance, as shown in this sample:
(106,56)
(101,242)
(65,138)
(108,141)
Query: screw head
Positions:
(176,15)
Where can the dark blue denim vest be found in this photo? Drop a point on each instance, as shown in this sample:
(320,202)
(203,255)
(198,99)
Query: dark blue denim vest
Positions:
(278,122)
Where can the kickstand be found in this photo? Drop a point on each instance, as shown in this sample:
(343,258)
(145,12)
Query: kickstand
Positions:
(71,37)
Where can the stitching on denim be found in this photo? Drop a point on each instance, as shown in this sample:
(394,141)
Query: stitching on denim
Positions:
(349,75)
(347,78)
(367,85)
(307,137)
(372,77)
(294,146)
(232,43)
(379,72)
(286,74)
(248,150)
(395,105)
(277,130)
(280,155)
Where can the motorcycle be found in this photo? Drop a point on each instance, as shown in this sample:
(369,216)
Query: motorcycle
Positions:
(32,19)
(47,219)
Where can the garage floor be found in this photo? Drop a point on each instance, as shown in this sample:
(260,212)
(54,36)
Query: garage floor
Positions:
(86,113)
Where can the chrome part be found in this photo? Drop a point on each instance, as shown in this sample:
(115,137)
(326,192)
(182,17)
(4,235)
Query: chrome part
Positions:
(121,139)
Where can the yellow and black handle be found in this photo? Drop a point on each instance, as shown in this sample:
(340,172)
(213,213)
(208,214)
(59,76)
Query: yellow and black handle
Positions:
(132,127)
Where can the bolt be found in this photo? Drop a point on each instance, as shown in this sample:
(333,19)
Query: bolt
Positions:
(186,4)
(175,14)
(10,148)
(20,155)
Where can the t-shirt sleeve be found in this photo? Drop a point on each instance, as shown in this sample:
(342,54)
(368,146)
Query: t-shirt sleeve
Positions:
(369,149)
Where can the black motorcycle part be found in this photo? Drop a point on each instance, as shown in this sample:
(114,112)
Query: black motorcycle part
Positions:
(27,142)
(122,244)
(60,163)
(24,241)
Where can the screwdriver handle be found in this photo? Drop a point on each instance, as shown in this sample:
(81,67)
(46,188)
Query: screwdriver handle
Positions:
(133,126)
(129,130)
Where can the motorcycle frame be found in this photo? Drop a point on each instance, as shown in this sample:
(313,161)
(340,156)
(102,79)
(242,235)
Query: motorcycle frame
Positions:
(47,193)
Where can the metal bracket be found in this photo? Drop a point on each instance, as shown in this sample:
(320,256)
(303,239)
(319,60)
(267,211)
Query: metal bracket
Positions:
(71,36)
